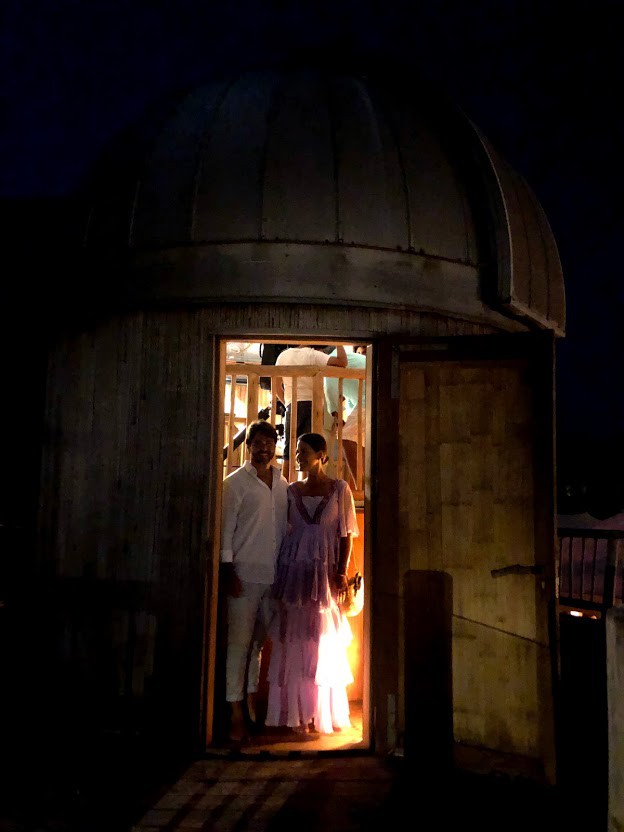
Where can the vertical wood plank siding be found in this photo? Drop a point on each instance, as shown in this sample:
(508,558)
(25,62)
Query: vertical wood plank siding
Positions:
(126,473)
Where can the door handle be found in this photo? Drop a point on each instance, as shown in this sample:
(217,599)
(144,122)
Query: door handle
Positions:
(518,569)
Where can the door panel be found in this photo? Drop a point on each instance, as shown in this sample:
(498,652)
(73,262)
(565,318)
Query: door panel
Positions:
(468,490)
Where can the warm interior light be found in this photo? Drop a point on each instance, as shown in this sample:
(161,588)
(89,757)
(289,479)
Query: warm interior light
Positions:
(576,613)
(240,400)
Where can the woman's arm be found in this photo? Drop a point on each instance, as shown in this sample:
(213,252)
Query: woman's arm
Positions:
(344,555)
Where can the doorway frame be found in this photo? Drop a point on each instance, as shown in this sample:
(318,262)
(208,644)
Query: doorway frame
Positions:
(213,626)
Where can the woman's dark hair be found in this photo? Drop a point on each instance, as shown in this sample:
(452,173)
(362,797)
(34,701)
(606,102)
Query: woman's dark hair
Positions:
(316,441)
(260,427)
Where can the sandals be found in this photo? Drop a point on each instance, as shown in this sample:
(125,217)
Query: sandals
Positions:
(239,742)
(305,729)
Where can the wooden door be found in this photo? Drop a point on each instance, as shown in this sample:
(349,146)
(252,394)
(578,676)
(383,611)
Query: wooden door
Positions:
(476,502)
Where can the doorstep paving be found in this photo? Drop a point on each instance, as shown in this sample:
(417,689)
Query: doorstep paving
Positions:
(238,794)
(325,794)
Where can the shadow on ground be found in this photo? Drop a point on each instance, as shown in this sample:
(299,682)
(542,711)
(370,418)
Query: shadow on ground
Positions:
(129,785)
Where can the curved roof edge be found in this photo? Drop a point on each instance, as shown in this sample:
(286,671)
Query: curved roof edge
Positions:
(529,274)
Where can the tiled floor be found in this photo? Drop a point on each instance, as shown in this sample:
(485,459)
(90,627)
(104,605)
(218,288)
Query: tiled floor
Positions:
(140,790)
(307,794)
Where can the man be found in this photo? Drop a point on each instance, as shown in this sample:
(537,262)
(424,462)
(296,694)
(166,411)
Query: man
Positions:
(253,522)
(302,356)
(350,393)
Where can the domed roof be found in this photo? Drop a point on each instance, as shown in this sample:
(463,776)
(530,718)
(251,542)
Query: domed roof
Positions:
(387,173)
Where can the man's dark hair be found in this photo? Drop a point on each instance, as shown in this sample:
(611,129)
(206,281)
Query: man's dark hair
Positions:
(260,427)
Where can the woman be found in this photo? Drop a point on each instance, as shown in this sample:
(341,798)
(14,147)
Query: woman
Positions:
(309,670)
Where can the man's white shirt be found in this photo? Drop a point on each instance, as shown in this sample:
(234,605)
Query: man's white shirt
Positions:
(253,522)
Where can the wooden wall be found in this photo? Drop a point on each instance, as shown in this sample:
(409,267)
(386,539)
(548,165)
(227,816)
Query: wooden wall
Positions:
(125,505)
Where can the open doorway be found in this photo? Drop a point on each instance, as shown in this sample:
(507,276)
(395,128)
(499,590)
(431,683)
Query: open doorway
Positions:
(249,391)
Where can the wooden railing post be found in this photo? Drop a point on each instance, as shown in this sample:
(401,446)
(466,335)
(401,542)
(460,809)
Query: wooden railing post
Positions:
(293,430)
(339,421)
(253,372)
(608,596)
(231,424)
(253,386)
(594,551)
(318,404)
(359,479)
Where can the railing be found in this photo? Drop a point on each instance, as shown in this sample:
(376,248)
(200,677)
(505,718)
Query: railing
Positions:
(590,568)
(245,399)
(589,584)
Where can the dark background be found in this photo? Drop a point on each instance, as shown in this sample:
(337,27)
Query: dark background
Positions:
(542,80)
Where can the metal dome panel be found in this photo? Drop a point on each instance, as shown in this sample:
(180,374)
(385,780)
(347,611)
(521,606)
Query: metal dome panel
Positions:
(530,277)
(299,195)
(362,167)
(165,204)
(311,158)
(229,191)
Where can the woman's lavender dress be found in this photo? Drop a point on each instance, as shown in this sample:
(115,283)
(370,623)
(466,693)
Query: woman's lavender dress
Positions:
(309,670)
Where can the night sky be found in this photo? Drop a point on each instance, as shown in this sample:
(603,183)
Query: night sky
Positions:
(542,80)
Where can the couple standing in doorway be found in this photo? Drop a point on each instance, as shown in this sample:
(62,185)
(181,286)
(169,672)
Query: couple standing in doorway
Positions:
(285,550)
